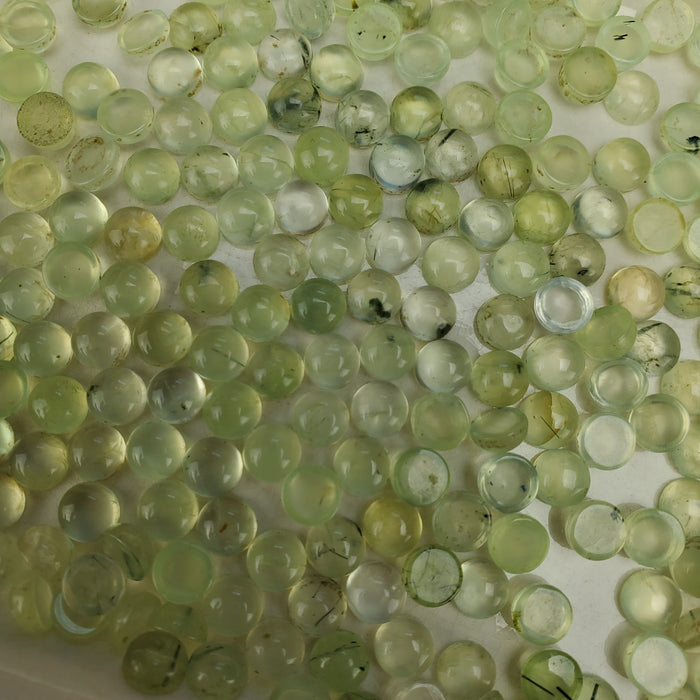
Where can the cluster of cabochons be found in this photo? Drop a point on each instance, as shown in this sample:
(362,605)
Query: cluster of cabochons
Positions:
(49,586)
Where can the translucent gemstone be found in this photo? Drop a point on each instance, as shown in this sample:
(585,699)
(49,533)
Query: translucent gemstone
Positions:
(433,206)
(133,234)
(12,501)
(207,287)
(484,589)
(618,385)
(419,476)
(561,163)
(609,334)
(24,297)
(318,306)
(276,560)
(499,378)
(193,26)
(670,24)
(155,450)
(28,24)
(208,173)
(660,422)
(422,58)
(46,120)
(522,118)
(507,483)
(337,253)
(245,216)
(396,163)
(162,337)
(92,585)
(301,207)
(229,62)
(634,99)
(519,268)
(168,510)
(373,31)
(22,73)
(42,348)
(71,271)
(443,365)
(212,466)
(521,65)
(621,164)
(559,30)
(274,649)
(320,417)
(606,441)
(182,125)
(682,290)
(174,72)
(577,255)
(131,547)
(152,175)
(626,39)
(182,572)
(251,115)
(87,510)
(550,669)
(654,537)
(355,201)
(541,614)
(655,664)
(458,24)
(126,115)
(675,176)
(117,395)
(99,13)
(155,661)
(499,429)
(312,18)
(340,659)
(646,221)
(144,32)
(451,155)
(335,548)
(285,53)
(232,410)
(486,223)
(265,163)
(469,106)
(679,127)
(563,477)
(563,305)
(518,543)
(429,313)
(331,361)
(176,394)
(595,529)
(599,211)
(336,71)
(96,451)
(215,666)
(379,409)
(387,352)
(294,104)
(77,217)
(554,362)
(432,575)
(362,118)
(93,163)
(129,289)
(587,75)
(391,527)
(506,20)
(317,605)
(461,521)
(416,111)
(403,647)
(32,183)
(58,404)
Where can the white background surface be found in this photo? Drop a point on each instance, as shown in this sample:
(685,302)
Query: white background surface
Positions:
(47,668)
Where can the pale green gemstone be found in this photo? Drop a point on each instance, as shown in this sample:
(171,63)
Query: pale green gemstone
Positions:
(294,105)
(301,207)
(168,509)
(245,216)
(554,362)
(432,575)
(461,521)
(162,338)
(413,13)
(250,19)
(451,155)
(232,410)
(579,255)
(340,659)
(641,657)
(504,322)
(13,564)
(362,118)
(212,467)
(649,219)
(660,422)
(281,261)
(209,287)
(396,163)
(379,409)
(265,163)
(42,348)
(506,20)
(215,668)
(320,417)
(486,223)
(331,361)
(595,12)
(679,127)
(39,461)
(558,29)
(433,206)
(336,547)
(375,592)
(133,234)
(685,631)
(685,457)
(468,106)
(634,99)
(618,385)
(403,647)
(208,173)
(250,111)
(337,253)
(58,404)
(519,268)
(682,296)
(126,115)
(176,394)
(144,32)
(675,176)
(595,529)
(96,451)
(312,18)
(22,73)
(230,62)
(499,378)
(152,175)
(86,85)
(355,201)
(46,120)
(626,39)
(117,396)
(541,614)
(587,75)
(548,671)
(12,501)
(336,71)
(387,352)
(504,172)
(443,365)
(193,26)
(132,548)
(92,585)
(218,353)
(609,334)
(71,271)
(184,621)
(686,568)
(28,24)
(654,537)
(321,155)
(174,72)
(465,667)
(99,13)
(155,662)
(275,370)
(422,58)
(226,525)
(155,450)
(561,163)
(32,183)
(419,476)
(391,527)
(25,239)
(650,600)
(31,604)
(622,164)
(439,421)
(129,289)
(522,118)
(670,24)
(373,31)
(552,419)
(362,465)
(521,65)
(276,560)
(182,573)
(87,510)
(24,297)
(416,112)
(285,53)
(458,24)
(93,163)
(499,429)
(507,483)
(317,605)
(275,648)
(182,125)
(191,233)
(606,441)
(518,543)
(77,217)
(318,306)
(563,477)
